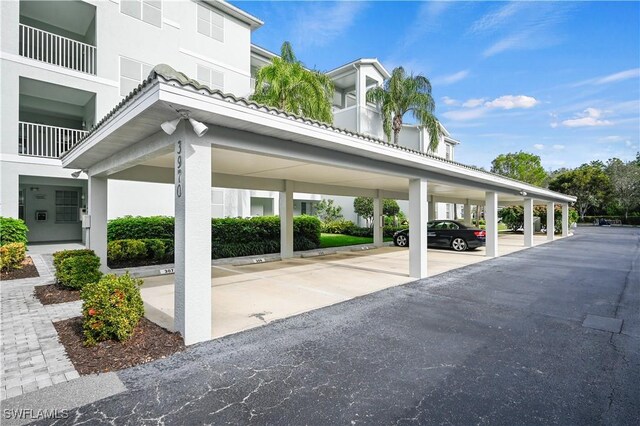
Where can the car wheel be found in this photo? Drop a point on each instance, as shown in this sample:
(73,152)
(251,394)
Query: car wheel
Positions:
(459,244)
(401,240)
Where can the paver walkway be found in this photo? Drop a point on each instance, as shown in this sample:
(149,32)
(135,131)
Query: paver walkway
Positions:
(32,357)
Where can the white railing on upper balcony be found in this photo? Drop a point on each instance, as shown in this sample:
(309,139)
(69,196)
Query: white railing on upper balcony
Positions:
(57,50)
(39,140)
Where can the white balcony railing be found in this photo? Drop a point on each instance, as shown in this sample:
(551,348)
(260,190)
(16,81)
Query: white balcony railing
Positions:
(39,140)
(57,50)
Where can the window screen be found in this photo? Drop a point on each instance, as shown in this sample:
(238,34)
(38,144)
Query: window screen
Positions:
(210,77)
(149,11)
(131,74)
(210,23)
(67,203)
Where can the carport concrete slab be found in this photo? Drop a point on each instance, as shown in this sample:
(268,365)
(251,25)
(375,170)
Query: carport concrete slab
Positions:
(612,325)
(252,295)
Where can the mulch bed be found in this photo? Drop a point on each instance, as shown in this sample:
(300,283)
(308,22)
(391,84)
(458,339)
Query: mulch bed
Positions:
(28,270)
(55,293)
(149,342)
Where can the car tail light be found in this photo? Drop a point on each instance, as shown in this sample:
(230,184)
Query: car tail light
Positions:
(480,233)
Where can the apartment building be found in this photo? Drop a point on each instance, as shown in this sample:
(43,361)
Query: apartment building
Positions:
(65,65)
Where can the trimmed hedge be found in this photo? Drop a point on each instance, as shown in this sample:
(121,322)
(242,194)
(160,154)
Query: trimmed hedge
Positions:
(341,226)
(631,220)
(78,271)
(122,250)
(111,308)
(356,231)
(12,255)
(12,231)
(152,250)
(140,228)
(230,237)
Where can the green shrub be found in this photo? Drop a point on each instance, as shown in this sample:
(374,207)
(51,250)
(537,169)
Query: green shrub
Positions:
(361,232)
(307,228)
(111,308)
(11,256)
(60,256)
(126,250)
(156,248)
(12,231)
(338,227)
(139,228)
(78,271)
(230,237)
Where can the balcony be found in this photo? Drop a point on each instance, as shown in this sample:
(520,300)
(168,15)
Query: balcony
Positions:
(59,33)
(52,118)
(40,140)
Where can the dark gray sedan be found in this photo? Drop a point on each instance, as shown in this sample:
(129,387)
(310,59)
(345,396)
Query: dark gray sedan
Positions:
(448,234)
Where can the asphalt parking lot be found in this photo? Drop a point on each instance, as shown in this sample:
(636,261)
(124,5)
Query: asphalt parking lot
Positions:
(497,342)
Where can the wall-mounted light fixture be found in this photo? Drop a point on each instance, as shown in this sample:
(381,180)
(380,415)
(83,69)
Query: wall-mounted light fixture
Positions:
(77,174)
(170,126)
(523,193)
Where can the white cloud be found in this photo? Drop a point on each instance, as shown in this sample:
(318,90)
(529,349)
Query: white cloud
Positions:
(493,20)
(451,78)
(427,18)
(538,146)
(520,26)
(619,76)
(318,24)
(449,101)
(558,147)
(473,102)
(478,107)
(511,101)
(590,117)
(611,78)
(465,114)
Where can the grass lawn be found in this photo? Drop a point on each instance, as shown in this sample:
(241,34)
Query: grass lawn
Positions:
(339,240)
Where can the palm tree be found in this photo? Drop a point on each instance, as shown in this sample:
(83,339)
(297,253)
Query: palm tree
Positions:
(287,85)
(402,94)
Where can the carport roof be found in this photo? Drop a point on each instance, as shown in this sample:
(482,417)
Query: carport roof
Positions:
(165,74)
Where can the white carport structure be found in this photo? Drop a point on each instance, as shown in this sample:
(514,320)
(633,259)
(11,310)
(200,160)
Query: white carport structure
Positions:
(255,147)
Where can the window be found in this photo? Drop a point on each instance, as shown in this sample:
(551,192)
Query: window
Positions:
(149,11)
(210,23)
(210,77)
(131,74)
(21,204)
(217,202)
(449,153)
(67,203)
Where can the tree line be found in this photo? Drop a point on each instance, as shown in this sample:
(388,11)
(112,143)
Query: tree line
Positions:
(609,188)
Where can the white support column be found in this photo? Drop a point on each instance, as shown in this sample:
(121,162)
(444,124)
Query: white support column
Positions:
(467,214)
(528,222)
(286,221)
(431,209)
(565,219)
(192,303)
(491,219)
(551,222)
(377,218)
(418,206)
(98,215)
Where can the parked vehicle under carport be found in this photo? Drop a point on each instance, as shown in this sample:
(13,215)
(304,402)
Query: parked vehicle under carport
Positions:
(448,234)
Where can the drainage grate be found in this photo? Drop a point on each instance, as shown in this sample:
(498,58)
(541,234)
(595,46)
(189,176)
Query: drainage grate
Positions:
(612,325)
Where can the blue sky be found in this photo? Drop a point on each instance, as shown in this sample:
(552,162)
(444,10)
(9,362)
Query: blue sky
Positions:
(558,79)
